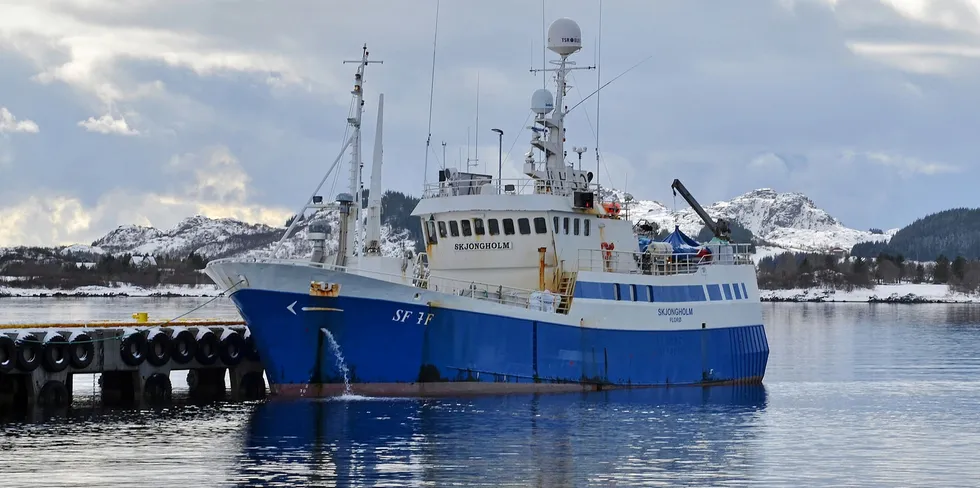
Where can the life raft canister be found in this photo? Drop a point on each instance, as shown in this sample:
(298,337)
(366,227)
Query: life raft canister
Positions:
(611,208)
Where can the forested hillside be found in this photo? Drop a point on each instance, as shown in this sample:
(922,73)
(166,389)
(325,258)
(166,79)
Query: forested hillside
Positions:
(396,211)
(952,233)
(808,270)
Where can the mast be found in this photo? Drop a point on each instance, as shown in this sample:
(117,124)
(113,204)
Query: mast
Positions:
(354,141)
(564,39)
(353,218)
(373,233)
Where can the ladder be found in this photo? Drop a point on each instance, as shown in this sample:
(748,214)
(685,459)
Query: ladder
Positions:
(566,288)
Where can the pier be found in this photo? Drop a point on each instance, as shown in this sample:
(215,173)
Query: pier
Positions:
(134,360)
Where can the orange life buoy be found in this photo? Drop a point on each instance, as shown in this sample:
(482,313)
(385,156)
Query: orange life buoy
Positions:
(607,248)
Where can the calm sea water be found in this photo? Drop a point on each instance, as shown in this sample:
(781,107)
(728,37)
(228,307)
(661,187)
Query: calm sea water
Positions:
(855,395)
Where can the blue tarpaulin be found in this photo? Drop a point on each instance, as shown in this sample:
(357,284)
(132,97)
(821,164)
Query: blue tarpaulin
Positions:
(644,242)
(681,242)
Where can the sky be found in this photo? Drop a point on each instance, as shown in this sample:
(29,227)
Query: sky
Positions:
(146,112)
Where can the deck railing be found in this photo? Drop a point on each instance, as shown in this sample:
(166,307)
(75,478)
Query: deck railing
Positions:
(661,263)
(483,186)
(506,295)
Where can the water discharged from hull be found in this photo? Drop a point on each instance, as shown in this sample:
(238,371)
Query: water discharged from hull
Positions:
(341,365)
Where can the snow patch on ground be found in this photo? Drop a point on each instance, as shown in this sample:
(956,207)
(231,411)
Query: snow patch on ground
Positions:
(122,290)
(902,293)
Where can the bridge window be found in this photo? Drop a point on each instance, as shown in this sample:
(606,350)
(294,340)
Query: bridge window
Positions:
(478,227)
(466,228)
(588,223)
(442,229)
(540,225)
(508,226)
(430,230)
(565,222)
(576,226)
(524,225)
(494,226)
(454,228)
(556,225)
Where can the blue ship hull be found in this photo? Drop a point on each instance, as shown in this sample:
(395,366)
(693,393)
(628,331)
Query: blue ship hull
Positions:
(399,349)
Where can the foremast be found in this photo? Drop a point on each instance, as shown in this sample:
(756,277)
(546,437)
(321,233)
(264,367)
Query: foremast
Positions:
(356,164)
(349,204)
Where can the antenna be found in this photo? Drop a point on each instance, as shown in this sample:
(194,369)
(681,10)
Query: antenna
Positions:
(475,160)
(544,49)
(432,85)
(598,79)
(443,154)
(579,150)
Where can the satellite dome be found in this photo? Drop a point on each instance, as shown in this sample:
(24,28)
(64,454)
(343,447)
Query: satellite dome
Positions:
(542,102)
(564,37)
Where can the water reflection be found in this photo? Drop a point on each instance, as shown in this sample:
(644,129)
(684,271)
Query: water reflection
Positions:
(679,434)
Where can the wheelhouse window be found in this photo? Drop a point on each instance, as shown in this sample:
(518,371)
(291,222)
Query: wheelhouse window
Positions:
(442,229)
(494,226)
(524,225)
(478,227)
(540,225)
(508,227)
(430,230)
(556,225)
(454,228)
(588,223)
(576,227)
(467,231)
(565,223)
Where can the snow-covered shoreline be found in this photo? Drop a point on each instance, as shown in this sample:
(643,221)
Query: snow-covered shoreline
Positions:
(903,293)
(122,290)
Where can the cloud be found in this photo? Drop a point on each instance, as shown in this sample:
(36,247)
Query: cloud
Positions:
(734,96)
(906,166)
(10,124)
(213,184)
(106,124)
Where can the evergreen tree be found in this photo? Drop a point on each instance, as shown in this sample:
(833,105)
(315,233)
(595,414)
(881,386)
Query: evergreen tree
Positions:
(959,267)
(941,273)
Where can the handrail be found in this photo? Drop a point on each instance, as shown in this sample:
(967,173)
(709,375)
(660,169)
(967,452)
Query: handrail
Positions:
(486,186)
(661,263)
(505,295)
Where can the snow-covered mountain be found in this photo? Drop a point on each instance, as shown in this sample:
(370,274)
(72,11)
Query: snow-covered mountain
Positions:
(789,221)
(218,238)
(784,221)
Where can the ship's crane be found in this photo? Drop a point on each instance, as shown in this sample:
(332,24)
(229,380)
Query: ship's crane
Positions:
(720,227)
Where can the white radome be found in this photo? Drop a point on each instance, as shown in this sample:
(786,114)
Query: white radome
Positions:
(542,102)
(564,37)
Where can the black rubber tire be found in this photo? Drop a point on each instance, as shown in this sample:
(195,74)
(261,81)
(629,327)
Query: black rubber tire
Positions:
(81,351)
(8,354)
(251,350)
(54,354)
(54,394)
(28,353)
(183,346)
(133,349)
(158,349)
(232,348)
(207,348)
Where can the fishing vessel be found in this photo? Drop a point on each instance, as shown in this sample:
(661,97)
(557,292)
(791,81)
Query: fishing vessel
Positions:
(535,284)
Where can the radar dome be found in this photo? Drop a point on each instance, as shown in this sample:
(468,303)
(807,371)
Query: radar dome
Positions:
(564,37)
(542,102)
